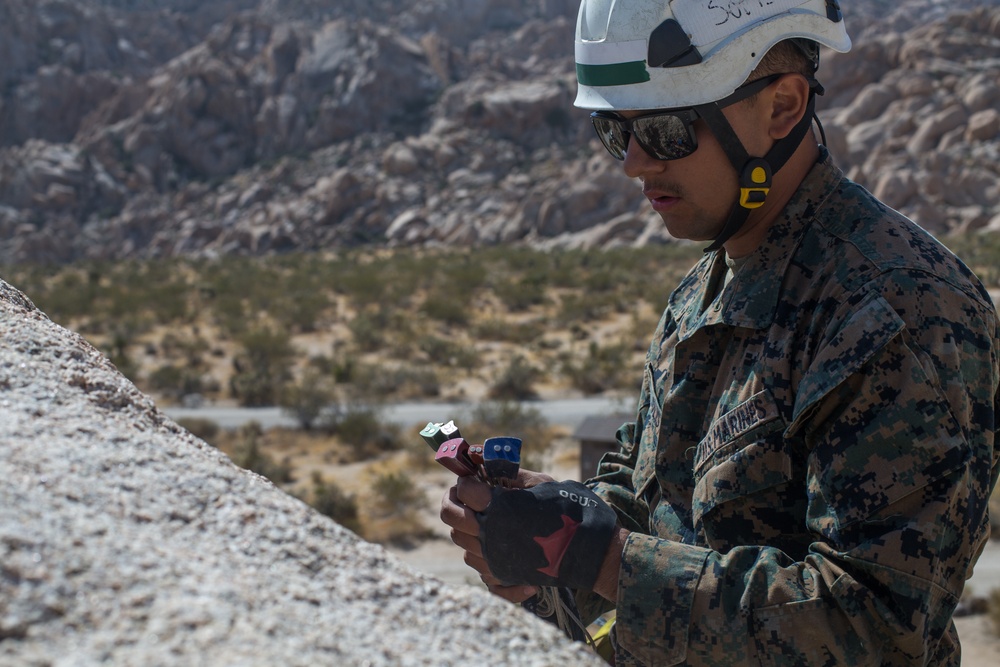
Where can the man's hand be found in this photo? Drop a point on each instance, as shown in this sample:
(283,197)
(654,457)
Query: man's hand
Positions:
(458,510)
(555,534)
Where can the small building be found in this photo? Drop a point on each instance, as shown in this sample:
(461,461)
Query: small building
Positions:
(596,435)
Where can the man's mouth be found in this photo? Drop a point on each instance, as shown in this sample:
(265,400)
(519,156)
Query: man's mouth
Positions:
(661,200)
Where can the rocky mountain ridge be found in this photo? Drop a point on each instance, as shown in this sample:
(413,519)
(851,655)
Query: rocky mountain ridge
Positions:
(142,129)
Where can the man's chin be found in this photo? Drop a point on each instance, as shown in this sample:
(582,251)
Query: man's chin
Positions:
(685,230)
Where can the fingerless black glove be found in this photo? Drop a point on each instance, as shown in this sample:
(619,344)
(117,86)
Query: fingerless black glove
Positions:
(553,534)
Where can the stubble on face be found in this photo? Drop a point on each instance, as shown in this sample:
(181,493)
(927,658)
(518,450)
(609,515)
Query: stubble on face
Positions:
(694,205)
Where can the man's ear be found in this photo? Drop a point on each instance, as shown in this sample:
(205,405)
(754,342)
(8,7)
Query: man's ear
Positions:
(788,99)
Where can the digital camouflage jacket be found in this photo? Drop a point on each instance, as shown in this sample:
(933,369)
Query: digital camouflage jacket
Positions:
(808,474)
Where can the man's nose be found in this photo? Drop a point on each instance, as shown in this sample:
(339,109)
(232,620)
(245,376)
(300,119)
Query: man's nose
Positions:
(638,161)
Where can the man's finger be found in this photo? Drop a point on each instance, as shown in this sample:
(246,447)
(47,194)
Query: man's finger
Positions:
(527,478)
(467,542)
(454,513)
(518,593)
(513,593)
(477,563)
(473,493)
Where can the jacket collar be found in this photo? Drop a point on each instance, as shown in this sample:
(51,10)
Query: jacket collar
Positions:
(751,297)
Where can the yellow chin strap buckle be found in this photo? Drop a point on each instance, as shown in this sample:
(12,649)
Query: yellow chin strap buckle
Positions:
(755,183)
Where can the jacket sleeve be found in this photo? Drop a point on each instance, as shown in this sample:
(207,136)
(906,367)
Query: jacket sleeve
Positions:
(897,413)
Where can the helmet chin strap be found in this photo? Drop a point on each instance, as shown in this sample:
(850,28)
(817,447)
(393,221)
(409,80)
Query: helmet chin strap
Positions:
(755,173)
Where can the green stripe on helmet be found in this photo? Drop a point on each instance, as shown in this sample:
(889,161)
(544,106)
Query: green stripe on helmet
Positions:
(618,74)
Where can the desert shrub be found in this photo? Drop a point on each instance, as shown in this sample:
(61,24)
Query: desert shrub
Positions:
(223,288)
(364,431)
(117,350)
(175,381)
(444,352)
(516,382)
(563,269)
(330,500)
(452,280)
(123,300)
(461,274)
(369,329)
(248,454)
(604,367)
(375,383)
(419,457)
(340,368)
(396,493)
(293,294)
(262,367)
(519,293)
(309,399)
(229,314)
(71,294)
(602,279)
(189,348)
(365,282)
(395,511)
(168,301)
(499,329)
(301,308)
(206,429)
(585,307)
(445,308)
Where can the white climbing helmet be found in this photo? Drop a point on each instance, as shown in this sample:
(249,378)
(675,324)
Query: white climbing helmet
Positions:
(659,54)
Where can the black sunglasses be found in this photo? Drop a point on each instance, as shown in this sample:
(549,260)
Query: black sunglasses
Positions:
(664,135)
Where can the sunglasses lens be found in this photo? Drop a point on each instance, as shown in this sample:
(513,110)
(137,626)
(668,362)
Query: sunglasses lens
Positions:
(665,137)
(612,134)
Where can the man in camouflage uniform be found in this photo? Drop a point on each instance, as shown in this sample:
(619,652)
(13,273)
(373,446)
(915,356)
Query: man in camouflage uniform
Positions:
(807,478)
